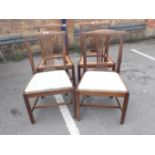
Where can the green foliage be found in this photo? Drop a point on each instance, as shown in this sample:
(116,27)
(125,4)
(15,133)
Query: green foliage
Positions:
(74,48)
(17,57)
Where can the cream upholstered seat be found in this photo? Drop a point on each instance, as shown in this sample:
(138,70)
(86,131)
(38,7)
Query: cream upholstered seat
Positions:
(53,80)
(100,81)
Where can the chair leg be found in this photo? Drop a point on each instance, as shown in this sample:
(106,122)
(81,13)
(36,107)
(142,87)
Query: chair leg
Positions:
(77,106)
(113,68)
(73,76)
(67,71)
(29,110)
(79,73)
(124,110)
(74,103)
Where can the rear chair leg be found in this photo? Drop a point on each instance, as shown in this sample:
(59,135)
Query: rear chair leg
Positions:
(74,103)
(113,68)
(79,73)
(73,76)
(67,71)
(77,106)
(124,110)
(29,110)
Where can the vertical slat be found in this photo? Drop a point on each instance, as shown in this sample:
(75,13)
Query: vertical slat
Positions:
(106,48)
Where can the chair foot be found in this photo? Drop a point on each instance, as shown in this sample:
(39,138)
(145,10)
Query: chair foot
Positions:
(78,119)
(33,122)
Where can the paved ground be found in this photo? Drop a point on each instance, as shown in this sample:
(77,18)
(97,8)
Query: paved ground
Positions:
(138,72)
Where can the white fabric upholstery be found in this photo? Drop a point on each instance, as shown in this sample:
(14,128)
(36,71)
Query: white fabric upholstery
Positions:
(102,82)
(53,80)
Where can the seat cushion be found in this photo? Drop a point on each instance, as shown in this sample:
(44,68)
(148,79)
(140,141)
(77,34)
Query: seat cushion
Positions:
(100,81)
(46,81)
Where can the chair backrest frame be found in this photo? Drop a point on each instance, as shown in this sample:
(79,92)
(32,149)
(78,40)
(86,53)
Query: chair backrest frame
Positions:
(47,42)
(91,26)
(102,40)
(53,27)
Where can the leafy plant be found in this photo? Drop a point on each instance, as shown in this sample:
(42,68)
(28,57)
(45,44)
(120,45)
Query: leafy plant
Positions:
(74,47)
(17,57)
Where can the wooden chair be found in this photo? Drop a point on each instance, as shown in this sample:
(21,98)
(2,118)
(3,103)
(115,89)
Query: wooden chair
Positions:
(91,42)
(99,82)
(50,82)
(47,59)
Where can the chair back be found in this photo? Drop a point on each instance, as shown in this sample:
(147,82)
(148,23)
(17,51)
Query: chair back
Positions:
(91,26)
(53,27)
(51,42)
(102,39)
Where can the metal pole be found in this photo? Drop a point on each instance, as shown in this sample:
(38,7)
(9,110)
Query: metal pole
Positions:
(64,28)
